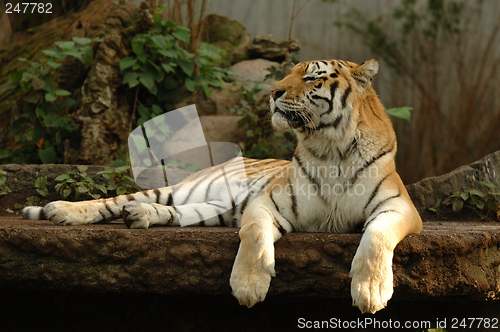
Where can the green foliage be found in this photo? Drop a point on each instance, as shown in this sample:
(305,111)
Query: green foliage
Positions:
(483,198)
(262,142)
(400,112)
(114,180)
(41,188)
(79,183)
(41,119)
(4,190)
(160,63)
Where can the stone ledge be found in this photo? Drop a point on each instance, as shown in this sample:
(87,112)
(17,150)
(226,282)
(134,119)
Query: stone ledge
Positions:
(447,261)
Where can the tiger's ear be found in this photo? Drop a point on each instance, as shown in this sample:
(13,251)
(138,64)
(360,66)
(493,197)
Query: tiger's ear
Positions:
(365,72)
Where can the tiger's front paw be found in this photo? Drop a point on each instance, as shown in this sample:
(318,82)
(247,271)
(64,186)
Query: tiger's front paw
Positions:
(135,216)
(250,278)
(372,281)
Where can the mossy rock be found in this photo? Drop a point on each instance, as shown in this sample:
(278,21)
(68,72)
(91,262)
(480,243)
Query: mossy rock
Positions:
(228,35)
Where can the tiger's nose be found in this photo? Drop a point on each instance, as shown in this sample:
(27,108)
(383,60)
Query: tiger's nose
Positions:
(276,93)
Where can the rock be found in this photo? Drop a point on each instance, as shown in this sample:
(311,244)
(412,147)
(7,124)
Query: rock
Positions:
(250,73)
(267,47)
(228,35)
(36,256)
(426,192)
(226,97)
(105,111)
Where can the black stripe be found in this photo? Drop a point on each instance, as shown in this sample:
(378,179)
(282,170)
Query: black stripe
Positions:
(145,193)
(42,215)
(109,209)
(324,62)
(102,215)
(294,200)
(316,155)
(374,159)
(334,75)
(385,201)
(312,179)
(321,72)
(202,219)
(344,97)
(170,200)
(375,191)
(278,209)
(318,86)
(171,217)
(217,205)
(336,122)
(306,67)
(157,193)
(244,204)
(376,216)
(222,222)
(350,148)
(310,79)
(130,197)
(312,101)
(280,228)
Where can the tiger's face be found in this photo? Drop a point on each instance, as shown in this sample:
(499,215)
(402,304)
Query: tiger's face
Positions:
(319,94)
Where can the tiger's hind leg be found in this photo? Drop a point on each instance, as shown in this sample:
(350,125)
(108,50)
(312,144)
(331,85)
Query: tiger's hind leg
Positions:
(212,213)
(93,212)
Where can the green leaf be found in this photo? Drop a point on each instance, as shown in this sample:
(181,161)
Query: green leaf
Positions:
(157,110)
(464,195)
(48,155)
(159,40)
(137,45)
(8,86)
(457,205)
(53,64)
(16,76)
(82,169)
(43,192)
(102,188)
(82,189)
(62,93)
(62,177)
(66,193)
(65,45)
(147,79)
(182,34)
(167,68)
(131,78)
(82,41)
(54,52)
(400,112)
(187,67)
(127,62)
(191,85)
(50,97)
(75,54)
(122,169)
(37,83)
(477,192)
(489,185)
(480,205)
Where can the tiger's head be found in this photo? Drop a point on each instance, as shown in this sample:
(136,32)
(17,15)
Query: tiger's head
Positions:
(318,95)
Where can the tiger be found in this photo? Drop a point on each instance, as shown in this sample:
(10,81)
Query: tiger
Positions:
(342,178)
